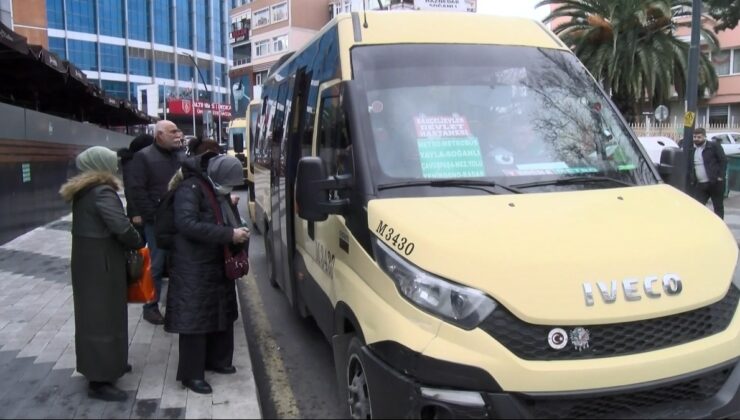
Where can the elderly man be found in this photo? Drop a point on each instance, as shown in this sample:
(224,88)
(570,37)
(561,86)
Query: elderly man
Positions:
(151,171)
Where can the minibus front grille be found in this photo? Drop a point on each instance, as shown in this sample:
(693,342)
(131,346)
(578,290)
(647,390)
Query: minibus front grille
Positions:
(661,401)
(530,342)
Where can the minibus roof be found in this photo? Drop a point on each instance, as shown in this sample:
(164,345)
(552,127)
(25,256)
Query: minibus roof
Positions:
(416,27)
(391,27)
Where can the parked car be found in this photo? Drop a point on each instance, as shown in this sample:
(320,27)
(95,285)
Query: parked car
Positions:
(654,145)
(730,141)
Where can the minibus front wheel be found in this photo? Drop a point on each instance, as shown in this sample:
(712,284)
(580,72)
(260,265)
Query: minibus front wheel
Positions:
(358,391)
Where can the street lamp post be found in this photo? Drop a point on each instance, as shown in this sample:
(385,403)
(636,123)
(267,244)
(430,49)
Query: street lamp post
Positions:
(218,104)
(692,87)
(208,92)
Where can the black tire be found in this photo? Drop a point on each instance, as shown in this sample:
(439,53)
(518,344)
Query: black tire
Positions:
(355,384)
(270,260)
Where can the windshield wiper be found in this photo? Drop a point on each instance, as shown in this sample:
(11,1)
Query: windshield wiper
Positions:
(463,183)
(574,180)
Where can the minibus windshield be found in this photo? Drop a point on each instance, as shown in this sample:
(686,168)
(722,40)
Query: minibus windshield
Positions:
(517,116)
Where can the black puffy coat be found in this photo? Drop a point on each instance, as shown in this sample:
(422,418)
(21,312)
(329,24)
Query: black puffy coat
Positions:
(200,298)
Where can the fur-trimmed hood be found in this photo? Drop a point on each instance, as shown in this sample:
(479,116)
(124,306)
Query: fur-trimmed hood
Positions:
(85,180)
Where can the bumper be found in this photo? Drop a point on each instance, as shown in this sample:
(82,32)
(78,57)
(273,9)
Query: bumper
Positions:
(711,393)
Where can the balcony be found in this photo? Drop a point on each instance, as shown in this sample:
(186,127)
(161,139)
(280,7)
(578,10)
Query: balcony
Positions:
(240,35)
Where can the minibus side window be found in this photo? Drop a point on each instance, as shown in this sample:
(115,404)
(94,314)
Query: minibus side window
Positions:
(334,146)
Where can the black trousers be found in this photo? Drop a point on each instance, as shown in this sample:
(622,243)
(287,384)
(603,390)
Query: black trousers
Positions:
(703,191)
(201,351)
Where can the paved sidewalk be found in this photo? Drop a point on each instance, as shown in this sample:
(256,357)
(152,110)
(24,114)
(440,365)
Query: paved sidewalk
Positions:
(37,355)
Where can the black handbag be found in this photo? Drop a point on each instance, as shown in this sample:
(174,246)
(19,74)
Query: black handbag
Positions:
(134,265)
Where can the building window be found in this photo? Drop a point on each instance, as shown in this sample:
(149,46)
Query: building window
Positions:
(736,61)
(261,48)
(165,70)
(261,18)
(721,62)
(81,15)
(141,66)
(115,89)
(280,43)
(242,55)
(111,58)
(201,19)
(110,15)
(83,54)
(184,72)
(259,78)
(138,20)
(55,13)
(279,12)
(56,45)
(184,25)
(163,28)
(217,28)
(719,115)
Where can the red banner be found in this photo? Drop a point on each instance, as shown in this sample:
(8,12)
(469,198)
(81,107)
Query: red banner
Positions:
(185,107)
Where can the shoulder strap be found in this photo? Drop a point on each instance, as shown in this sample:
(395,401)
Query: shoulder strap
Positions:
(216,209)
(212,198)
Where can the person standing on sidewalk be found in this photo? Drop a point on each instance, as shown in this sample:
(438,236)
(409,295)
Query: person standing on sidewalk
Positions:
(101,233)
(150,172)
(127,155)
(201,302)
(707,176)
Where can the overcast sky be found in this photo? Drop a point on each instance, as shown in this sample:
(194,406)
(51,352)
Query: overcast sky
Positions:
(523,8)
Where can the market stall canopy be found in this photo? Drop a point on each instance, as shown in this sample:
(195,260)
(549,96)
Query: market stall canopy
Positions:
(36,78)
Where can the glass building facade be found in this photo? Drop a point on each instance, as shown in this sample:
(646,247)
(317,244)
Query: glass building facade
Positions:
(127,44)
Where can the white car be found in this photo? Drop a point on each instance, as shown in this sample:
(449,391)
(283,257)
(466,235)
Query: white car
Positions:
(730,141)
(655,145)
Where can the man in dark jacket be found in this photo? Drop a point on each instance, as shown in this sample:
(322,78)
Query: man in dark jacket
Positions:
(150,172)
(708,173)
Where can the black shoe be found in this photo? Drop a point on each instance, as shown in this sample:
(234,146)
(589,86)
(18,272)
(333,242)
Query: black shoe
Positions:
(106,391)
(128,369)
(227,370)
(153,316)
(197,385)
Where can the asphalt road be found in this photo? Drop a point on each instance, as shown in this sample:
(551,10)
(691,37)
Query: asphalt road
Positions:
(292,361)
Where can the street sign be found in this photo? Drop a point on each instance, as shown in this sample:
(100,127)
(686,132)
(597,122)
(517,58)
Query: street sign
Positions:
(688,119)
(661,113)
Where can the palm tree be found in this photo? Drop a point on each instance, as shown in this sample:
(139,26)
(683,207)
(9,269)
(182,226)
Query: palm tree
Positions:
(631,48)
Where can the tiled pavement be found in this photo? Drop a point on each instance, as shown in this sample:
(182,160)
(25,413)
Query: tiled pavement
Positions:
(37,355)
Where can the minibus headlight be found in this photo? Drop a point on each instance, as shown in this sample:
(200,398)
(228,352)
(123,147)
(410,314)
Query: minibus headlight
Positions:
(462,306)
(736,275)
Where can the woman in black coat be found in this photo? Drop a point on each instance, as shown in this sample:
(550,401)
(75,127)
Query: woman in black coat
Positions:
(201,301)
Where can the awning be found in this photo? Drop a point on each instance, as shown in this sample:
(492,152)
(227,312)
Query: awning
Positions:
(35,78)
(11,41)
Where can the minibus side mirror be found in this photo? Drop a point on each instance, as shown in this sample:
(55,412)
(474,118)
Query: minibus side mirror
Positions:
(672,167)
(312,191)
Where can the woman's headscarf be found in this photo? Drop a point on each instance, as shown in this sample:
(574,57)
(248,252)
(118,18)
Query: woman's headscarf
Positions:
(97,158)
(225,172)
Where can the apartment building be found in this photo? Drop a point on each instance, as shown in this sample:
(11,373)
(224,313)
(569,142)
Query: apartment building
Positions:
(722,108)
(262,31)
